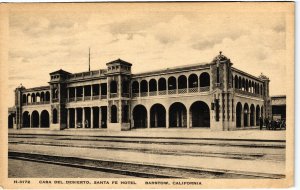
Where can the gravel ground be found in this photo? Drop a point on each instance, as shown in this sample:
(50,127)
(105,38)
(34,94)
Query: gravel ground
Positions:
(27,169)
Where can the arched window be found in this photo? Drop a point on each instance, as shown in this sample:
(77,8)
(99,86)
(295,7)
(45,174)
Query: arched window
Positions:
(144,88)
(182,82)
(243,85)
(33,97)
(47,96)
(171,83)
(152,85)
(204,80)
(162,84)
(24,98)
(135,87)
(42,96)
(193,81)
(236,82)
(28,98)
(54,116)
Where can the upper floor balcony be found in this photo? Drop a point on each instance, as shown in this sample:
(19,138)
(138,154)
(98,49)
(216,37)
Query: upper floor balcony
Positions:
(36,98)
(87,98)
(191,84)
(248,93)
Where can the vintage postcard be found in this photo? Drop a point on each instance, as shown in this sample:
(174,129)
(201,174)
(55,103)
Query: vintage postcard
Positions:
(147,95)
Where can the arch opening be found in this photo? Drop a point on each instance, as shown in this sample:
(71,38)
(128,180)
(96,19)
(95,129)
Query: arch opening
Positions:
(139,116)
(35,119)
(157,116)
(177,115)
(45,121)
(204,80)
(200,114)
(238,116)
(252,115)
(246,114)
(257,115)
(162,84)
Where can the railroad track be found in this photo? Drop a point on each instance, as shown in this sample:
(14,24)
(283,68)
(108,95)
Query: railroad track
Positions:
(137,169)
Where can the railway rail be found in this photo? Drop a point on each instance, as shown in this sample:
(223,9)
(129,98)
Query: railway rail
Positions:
(137,169)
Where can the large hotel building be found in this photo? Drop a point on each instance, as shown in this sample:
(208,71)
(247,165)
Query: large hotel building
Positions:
(212,95)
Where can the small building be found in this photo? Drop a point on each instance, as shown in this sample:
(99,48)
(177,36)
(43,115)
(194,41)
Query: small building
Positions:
(278,107)
(212,95)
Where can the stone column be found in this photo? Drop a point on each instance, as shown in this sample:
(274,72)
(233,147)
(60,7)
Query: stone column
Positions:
(68,118)
(248,123)
(83,94)
(40,121)
(167,120)
(242,118)
(187,85)
(100,118)
(254,117)
(198,84)
(167,87)
(119,87)
(83,118)
(188,119)
(155,120)
(92,118)
(75,119)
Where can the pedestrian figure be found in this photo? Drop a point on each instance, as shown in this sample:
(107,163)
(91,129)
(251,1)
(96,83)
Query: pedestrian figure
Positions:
(86,123)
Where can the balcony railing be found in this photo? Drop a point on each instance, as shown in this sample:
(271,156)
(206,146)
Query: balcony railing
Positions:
(162,92)
(55,100)
(103,96)
(79,98)
(193,90)
(204,89)
(35,103)
(247,93)
(135,95)
(172,91)
(113,95)
(144,94)
(86,98)
(182,91)
(152,93)
(95,97)
(126,95)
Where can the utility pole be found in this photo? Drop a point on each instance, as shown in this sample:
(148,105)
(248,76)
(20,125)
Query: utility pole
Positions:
(89,59)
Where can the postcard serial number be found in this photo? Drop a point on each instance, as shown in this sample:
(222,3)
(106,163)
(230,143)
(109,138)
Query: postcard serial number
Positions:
(22,181)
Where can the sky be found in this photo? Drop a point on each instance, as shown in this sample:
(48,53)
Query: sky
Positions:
(150,36)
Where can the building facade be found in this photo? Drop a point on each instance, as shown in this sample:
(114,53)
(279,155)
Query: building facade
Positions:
(212,95)
(278,107)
